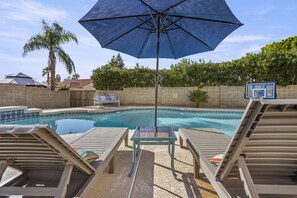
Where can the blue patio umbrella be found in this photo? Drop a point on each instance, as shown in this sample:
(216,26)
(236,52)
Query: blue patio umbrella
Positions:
(160,28)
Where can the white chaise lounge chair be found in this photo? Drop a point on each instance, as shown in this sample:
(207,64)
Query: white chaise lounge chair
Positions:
(50,167)
(261,158)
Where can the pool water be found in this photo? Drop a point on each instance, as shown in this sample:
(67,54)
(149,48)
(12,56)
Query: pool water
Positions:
(74,123)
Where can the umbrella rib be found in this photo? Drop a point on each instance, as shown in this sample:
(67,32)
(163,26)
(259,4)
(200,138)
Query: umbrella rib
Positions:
(191,35)
(152,17)
(145,28)
(177,4)
(144,43)
(112,18)
(172,23)
(125,33)
(170,45)
(153,28)
(172,29)
(150,7)
(203,19)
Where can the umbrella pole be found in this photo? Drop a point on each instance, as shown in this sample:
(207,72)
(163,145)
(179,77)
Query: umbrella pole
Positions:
(157,69)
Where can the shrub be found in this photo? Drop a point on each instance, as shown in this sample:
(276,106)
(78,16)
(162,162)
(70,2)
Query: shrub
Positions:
(279,66)
(198,96)
(63,88)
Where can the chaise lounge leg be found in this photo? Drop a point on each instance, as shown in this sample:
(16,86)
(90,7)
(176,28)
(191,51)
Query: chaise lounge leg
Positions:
(3,166)
(126,140)
(196,168)
(181,142)
(64,181)
(111,166)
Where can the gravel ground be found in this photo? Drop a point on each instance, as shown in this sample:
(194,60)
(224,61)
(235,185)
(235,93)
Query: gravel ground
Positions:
(153,178)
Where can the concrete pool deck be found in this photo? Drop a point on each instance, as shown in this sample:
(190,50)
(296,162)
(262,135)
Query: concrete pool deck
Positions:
(153,178)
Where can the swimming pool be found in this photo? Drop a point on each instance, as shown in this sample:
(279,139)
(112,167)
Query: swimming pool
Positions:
(80,122)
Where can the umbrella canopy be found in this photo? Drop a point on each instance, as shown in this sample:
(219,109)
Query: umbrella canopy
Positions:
(160,28)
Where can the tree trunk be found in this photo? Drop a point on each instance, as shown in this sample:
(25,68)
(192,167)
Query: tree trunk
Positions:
(48,77)
(52,58)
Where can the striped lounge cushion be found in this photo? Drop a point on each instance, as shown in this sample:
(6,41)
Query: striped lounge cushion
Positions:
(216,160)
(87,155)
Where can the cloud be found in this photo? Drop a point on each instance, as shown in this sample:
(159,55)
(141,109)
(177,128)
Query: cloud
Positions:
(224,48)
(10,39)
(262,12)
(251,49)
(246,38)
(8,34)
(292,8)
(276,27)
(30,11)
(19,59)
(13,38)
(87,41)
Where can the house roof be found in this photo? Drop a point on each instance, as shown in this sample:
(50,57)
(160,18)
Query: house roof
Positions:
(20,79)
(79,83)
(19,75)
(6,81)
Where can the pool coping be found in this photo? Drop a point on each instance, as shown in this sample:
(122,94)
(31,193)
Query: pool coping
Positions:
(38,112)
(92,110)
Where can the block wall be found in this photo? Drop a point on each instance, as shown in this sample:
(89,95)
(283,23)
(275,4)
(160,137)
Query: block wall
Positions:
(219,96)
(33,97)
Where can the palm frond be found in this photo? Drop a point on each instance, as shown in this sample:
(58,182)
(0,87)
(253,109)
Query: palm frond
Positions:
(68,36)
(66,60)
(56,27)
(51,38)
(45,71)
(36,42)
(45,28)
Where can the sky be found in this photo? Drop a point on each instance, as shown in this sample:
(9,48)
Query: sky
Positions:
(265,21)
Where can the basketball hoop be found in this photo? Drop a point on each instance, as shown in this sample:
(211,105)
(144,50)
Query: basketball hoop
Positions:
(266,90)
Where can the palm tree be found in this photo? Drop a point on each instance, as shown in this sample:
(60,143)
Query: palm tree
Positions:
(46,71)
(75,76)
(58,78)
(51,38)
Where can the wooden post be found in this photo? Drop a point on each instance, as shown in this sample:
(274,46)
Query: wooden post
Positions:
(83,98)
(181,142)
(196,168)
(246,177)
(126,140)
(65,179)
(111,166)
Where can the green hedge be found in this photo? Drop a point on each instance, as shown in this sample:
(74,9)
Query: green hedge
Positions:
(279,66)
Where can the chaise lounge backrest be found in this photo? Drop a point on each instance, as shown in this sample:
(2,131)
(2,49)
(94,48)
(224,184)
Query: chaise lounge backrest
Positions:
(263,152)
(35,148)
(45,160)
(49,165)
(267,133)
(260,159)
